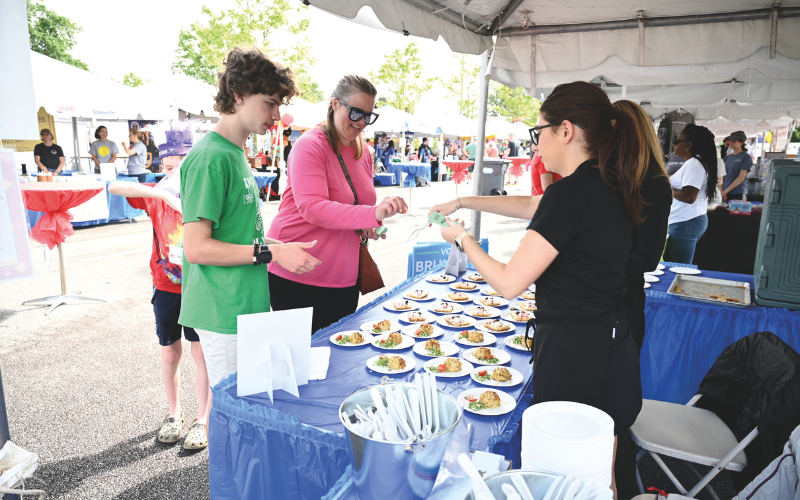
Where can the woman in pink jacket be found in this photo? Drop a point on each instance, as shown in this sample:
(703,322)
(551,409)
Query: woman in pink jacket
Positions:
(318,204)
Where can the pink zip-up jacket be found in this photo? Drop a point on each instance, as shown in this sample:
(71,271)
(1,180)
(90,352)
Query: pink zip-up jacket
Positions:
(318,205)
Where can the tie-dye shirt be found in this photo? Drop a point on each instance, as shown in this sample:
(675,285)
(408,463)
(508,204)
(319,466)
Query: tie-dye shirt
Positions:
(168,226)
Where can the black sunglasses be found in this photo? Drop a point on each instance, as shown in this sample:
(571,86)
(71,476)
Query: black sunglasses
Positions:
(535,131)
(357,114)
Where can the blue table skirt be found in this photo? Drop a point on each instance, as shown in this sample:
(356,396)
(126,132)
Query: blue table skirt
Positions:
(295,448)
(264,180)
(411,170)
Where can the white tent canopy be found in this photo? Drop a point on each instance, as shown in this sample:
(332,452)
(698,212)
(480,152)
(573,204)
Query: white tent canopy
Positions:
(395,121)
(176,92)
(306,114)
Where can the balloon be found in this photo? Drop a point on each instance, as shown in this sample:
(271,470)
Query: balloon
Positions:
(287,120)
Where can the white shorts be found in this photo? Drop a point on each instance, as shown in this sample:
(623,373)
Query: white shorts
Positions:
(219,350)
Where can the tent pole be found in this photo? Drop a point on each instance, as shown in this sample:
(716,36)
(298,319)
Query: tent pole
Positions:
(77,158)
(483,102)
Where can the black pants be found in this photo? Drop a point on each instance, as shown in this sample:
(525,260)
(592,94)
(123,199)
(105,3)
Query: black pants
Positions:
(330,304)
(634,300)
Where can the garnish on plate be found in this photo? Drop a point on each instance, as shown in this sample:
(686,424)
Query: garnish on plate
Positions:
(483,376)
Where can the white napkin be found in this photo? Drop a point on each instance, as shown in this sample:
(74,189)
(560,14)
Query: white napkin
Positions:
(488,464)
(320,360)
(456,263)
(16,464)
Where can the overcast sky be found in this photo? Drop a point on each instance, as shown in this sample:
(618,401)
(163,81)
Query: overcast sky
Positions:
(141,36)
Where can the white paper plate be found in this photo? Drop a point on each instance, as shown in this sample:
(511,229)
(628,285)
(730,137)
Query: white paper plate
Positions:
(661,266)
(507,403)
(466,368)
(509,341)
(657,272)
(367,338)
(651,279)
(457,308)
(411,329)
(516,376)
(487,290)
(474,277)
(410,364)
(532,295)
(389,306)
(446,298)
(647,285)
(448,348)
(488,339)
(405,344)
(469,321)
(684,270)
(507,317)
(430,295)
(498,301)
(464,283)
(367,327)
(518,305)
(480,326)
(492,312)
(502,357)
(431,278)
(428,317)
(532,288)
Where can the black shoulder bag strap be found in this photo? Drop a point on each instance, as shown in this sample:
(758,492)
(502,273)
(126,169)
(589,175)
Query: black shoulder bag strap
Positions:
(353,188)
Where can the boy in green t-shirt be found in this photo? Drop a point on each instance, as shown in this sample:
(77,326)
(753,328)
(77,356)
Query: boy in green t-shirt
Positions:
(224,242)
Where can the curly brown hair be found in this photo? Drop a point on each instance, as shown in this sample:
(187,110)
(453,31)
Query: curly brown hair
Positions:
(249,71)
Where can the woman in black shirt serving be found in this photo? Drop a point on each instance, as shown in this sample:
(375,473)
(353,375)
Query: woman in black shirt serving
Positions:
(576,250)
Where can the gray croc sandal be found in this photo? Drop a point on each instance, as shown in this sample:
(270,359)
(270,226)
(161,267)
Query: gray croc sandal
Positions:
(171,430)
(196,438)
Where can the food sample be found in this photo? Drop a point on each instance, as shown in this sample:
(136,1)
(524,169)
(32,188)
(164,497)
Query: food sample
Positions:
(418,294)
(456,321)
(520,315)
(481,312)
(501,375)
(528,295)
(483,353)
(475,277)
(678,288)
(382,326)
(416,317)
(397,363)
(472,336)
(432,344)
(425,330)
(444,307)
(489,399)
(527,306)
(396,338)
(442,278)
(453,365)
(523,341)
(466,285)
(458,296)
(497,326)
(355,338)
(489,301)
(490,291)
(402,305)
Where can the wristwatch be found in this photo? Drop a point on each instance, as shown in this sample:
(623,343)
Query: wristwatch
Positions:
(261,254)
(460,238)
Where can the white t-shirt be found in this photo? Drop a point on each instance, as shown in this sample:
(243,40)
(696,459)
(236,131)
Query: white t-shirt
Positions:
(692,173)
(721,172)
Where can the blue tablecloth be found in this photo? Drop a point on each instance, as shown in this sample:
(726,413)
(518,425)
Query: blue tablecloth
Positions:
(411,170)
(264,179)
(683,338)
(295,448)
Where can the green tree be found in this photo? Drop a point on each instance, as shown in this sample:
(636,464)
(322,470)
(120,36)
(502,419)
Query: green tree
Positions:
(132,80)
(514,104)
(463,86)
(402,74)
(276,26)
(51,34)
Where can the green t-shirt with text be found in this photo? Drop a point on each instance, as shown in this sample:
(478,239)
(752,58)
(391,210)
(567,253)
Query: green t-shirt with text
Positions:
(217,184)
(471,149)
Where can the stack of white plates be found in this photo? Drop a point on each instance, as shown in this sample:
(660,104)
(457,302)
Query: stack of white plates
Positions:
(568,438)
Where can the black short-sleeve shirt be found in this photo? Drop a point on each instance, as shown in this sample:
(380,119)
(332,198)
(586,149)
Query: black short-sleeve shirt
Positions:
(585,220)
(48,155)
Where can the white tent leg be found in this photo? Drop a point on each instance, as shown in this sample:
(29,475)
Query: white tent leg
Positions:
(483,102)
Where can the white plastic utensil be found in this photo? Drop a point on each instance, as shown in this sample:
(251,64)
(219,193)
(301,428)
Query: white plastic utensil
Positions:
(583,493)
(551,491)
(511,493)
(413,396)
(435,396)
(426,382)
(377,435)
(559,494)
(573,488)
(421,395)
(522,487)
(377,400)
(479,489)
(409,414)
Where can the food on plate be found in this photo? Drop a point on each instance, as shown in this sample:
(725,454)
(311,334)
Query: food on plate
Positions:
(456,321)
(490,291)
(501,374)
(678,288)
(490,399)
(485,354)
(475,277)
(472,336)
(395,337)
(355,338)
(382,326)
(402,305)
(416,317)
(523,340)
(444,307)
(425,330)
(489,301)
(520,315)
(466,285)
(432,344)
(731,299)
(458,296)
(481,312)
(442,278)
(528,295)
(397,363)
(527,306)
(483,376)
(418,294)
(453,365)
(497,326)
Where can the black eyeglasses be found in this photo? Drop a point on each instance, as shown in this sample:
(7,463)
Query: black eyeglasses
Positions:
(357,114)
(676,141)
(535,131)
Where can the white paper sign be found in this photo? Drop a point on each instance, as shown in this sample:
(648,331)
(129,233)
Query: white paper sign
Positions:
(456,263)
(108,171)
(274,351)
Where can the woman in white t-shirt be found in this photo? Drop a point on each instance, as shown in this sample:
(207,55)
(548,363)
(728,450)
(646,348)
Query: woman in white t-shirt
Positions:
(693,186)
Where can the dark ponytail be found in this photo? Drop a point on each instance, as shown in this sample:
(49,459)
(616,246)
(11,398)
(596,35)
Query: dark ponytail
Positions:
(705,150)
(611,133)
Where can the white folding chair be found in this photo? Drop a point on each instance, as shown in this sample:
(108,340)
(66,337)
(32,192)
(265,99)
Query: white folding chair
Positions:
(691,434)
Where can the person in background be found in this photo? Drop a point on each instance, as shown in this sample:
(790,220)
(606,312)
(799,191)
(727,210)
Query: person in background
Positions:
(47,155)
(541,178)
(491,150)
(330,198)
(102,150)
(153,160)
(137,154)
(673,163)
(713,204)
(380,148)
(737,164)
(388,153)
(693,187)
(408,150)
(275,186)
(471,150)
(424,151)
(513,147)
(503,149)
(725,147)
(371,150)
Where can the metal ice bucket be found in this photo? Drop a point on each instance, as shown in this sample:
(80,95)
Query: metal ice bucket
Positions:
(404,471)
(538,483)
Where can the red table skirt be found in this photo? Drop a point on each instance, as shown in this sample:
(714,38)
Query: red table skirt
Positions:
(54,199)
(459,169)
(517,164)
